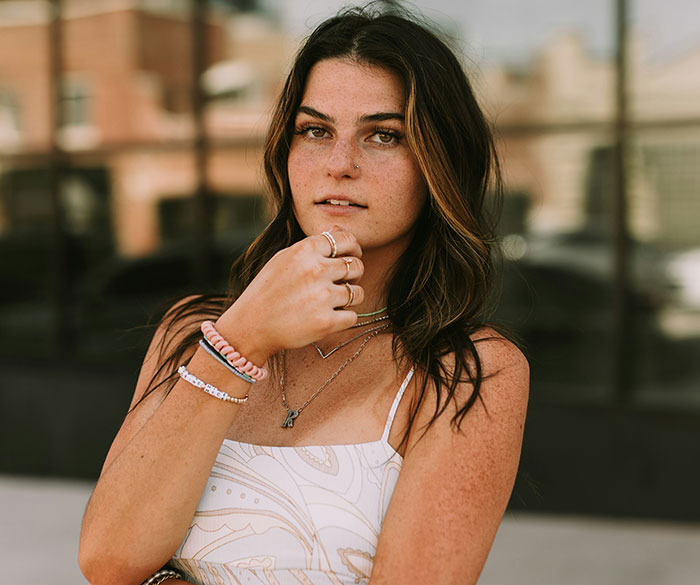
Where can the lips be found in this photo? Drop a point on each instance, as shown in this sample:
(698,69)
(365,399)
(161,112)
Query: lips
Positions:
(339,202)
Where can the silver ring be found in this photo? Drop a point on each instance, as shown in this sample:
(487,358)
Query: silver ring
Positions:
(348,263)
(357,166)
(351,295)
(332,242)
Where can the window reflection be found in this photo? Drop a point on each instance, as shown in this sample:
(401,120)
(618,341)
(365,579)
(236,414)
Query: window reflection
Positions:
(131,183)
(557,289)
(668,345)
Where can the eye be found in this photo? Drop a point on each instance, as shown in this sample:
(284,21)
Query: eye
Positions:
(385,137)
(312,132)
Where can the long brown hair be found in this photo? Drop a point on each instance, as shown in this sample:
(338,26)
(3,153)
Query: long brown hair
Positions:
(439,292)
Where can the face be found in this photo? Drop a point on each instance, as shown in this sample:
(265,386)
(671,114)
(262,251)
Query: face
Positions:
(349,163)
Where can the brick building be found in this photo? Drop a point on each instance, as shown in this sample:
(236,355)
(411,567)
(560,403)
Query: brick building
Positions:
(125,113)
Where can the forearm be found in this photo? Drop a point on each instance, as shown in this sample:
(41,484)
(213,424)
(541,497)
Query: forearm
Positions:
(144,501)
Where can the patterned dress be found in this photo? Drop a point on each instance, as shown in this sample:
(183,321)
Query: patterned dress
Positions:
(306,515)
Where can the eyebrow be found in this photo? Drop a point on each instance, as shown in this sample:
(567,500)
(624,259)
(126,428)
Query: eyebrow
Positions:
(378,117)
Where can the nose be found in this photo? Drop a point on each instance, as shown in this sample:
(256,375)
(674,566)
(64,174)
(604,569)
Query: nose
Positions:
(343,159)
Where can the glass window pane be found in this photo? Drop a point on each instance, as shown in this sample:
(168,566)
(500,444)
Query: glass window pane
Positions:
(27,261)
(27,239)
(144,249)
(665,199)
(667,281)
(131,263)
(557,290)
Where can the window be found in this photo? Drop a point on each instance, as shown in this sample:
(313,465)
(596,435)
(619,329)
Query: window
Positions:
(75,104)
(9,116)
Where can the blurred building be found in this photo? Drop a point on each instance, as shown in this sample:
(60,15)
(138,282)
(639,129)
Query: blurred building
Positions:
(126,83)
(120,88)
(570,91)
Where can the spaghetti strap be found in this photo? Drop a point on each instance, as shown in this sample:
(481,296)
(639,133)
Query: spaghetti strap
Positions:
(395,405)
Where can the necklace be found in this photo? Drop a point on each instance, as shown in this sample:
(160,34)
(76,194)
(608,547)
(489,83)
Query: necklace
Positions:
(375,320)
(288,421)
(337,347)
(373,313)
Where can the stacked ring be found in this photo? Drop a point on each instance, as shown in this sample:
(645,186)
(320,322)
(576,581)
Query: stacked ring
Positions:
(332,242)
(351,295)
(348,263)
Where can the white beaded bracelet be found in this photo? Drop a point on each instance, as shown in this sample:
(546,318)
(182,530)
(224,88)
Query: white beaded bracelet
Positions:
(208,388)
(160,576)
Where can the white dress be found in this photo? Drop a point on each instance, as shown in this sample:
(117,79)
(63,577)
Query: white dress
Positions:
(306,515)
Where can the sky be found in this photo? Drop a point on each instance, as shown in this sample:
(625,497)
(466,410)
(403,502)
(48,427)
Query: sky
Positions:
(511,30)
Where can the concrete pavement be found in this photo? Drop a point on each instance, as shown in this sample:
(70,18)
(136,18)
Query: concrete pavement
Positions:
(41,523)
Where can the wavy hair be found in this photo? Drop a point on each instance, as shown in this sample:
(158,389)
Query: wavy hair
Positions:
(439,291)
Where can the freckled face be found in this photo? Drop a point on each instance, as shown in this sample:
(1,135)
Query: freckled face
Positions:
(349,163)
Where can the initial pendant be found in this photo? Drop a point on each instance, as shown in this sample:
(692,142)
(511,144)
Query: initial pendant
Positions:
(289,419)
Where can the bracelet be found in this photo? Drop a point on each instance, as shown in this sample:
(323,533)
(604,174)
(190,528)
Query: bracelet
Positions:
(208,388)
(204,344)
(160,576)
(233,357)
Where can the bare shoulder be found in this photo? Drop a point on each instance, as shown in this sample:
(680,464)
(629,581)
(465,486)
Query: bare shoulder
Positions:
(506,372)
(498,353)
(504,381)
(456,480)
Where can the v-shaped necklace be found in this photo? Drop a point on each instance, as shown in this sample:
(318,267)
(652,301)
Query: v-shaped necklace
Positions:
(331,351)
(288,421)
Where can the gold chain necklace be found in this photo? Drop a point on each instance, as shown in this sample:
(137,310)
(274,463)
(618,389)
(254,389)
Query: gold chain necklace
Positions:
(368,322)
(288,421)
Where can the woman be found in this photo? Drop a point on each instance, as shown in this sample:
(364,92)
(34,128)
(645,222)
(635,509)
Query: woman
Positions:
(383,446)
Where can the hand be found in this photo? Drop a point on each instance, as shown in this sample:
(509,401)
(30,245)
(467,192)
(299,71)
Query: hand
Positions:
(298,297)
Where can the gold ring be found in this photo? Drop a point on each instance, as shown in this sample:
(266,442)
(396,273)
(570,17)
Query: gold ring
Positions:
(332,242)
(348,263)
(351,295)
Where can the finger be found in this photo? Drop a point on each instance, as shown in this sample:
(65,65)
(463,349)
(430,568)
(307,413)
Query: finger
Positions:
(347,268)
(326,244)
(347,295)
(346,242)
(343,319)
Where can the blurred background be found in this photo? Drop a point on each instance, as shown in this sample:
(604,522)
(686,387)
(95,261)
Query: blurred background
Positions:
(131,136)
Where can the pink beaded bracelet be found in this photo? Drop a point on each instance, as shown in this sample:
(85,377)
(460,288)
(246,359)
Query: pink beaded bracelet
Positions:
(233,357)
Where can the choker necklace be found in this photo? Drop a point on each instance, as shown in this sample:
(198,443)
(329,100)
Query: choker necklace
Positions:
(288,421)
(373,313)
(337,347)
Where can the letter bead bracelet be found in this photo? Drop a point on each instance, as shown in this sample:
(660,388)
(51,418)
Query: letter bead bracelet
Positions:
(210,389)
(234,358)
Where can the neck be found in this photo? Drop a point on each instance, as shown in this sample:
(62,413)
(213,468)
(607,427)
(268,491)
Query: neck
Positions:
(378,265)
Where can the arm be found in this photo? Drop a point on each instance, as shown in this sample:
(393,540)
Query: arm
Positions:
(158,465)
(454,486)
(154,474)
